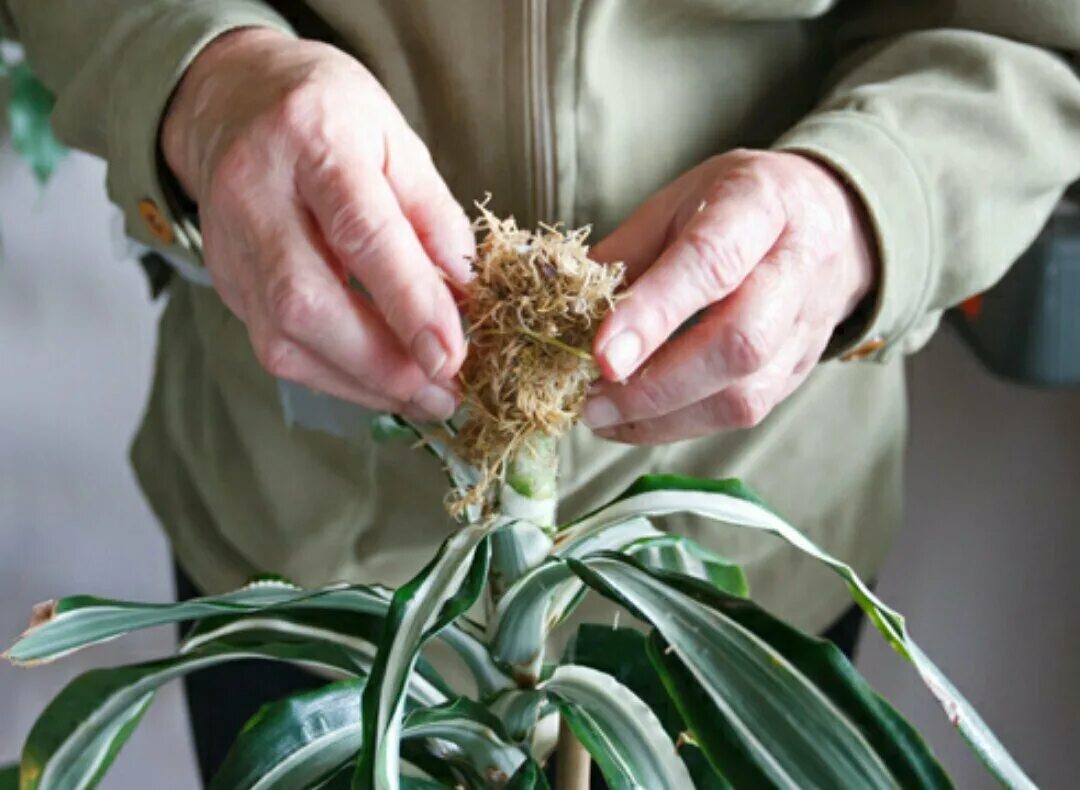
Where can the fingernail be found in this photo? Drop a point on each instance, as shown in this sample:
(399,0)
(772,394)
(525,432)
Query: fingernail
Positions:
(622,353)
(462,272)
(436,402)
(429,353)
(600,413)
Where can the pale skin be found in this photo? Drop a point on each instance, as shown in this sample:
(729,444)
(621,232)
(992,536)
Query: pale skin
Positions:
(306,175)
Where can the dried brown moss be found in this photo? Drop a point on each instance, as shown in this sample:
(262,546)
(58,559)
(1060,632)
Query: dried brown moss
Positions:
(533,308)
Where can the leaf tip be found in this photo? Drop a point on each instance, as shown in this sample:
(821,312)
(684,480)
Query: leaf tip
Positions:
(42,613)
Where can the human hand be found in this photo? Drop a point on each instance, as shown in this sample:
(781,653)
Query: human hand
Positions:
(306,174)
(773,248)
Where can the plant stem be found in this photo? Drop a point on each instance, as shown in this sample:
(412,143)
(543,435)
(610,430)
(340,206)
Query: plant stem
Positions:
(527,500)
(531,488)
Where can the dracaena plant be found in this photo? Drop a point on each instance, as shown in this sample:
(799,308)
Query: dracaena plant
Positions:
(712,691)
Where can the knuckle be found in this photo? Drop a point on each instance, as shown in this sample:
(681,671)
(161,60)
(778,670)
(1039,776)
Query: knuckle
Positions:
(406,307)
(401,384)
(294,306)
(278,356)
(742,154)
(298,106)
(308,121)
(744,408)
(648,397)
(333,179)
(353,231)
(233,177)
(717,261)
(747,178)
(660,318)
(754,176)
(746,348)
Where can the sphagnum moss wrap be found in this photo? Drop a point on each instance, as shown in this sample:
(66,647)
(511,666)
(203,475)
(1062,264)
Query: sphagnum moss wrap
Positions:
(533,308)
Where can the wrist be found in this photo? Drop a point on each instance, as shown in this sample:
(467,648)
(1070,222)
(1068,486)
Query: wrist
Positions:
(857,250)
(180,140)
(864,256)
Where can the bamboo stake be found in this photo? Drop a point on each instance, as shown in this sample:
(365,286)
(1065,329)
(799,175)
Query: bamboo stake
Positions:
(572,763)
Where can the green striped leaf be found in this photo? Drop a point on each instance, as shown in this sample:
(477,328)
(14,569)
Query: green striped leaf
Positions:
(296,742)
(77,737)
(516,548)
(465,734)
(62,627)
(606,535)
(900,747)
(519,710)
(439,594)
(419,783)
(681,555)
(71,624)
(623,654)
(791,733)
(621,733)
(307,740)
(732,503)
(356,635)
(530,776)
(545,596)
(525,615)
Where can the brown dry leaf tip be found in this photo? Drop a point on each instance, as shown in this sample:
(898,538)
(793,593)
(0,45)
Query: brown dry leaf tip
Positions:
(533,307)
(42,613)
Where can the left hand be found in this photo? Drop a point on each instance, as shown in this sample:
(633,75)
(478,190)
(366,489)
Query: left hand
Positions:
(774,248)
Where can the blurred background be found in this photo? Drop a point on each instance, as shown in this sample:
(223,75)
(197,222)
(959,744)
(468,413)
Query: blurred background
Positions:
(985,570)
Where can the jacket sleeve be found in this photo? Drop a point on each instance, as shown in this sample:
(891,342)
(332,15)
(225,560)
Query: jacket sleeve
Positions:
(959,126)
(113,65)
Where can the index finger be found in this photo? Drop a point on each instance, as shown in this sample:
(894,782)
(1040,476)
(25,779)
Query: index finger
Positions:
(709,258)
(366,229)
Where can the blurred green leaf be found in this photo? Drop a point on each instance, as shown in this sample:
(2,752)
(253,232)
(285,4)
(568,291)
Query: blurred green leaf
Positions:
(389,428)
(9,777)
(30,106)
(529,777)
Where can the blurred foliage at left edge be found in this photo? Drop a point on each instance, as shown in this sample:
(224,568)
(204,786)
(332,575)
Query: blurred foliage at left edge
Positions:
(29,105)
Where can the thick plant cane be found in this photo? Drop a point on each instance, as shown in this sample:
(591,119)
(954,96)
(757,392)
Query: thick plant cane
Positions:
(530,494)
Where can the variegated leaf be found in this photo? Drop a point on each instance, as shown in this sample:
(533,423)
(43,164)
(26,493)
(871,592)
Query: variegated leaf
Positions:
(78,735)
(796,736)
(732,503)
(309,739)
(620,731)
(439,594)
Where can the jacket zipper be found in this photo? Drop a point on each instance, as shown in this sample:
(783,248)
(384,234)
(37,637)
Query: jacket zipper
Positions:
(539,103)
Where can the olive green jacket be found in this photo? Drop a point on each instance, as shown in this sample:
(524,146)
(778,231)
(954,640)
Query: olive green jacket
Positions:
(958,123)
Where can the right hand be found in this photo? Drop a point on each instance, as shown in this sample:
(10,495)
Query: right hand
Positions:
(306,174)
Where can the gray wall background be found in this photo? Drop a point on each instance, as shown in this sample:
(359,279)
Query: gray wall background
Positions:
(985,570)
